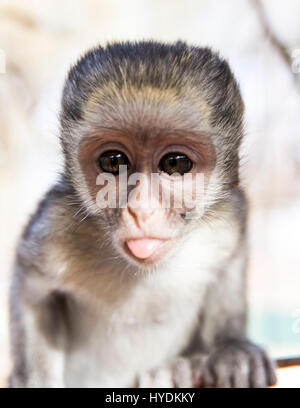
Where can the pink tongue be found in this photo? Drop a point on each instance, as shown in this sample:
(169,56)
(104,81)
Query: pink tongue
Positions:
(143,248)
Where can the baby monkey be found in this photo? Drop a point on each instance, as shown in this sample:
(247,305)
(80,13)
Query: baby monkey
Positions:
(112,287)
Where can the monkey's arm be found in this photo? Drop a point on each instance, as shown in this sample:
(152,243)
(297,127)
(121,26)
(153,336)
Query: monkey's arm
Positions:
(219,353)
(37,308)
(233,361)
(37,331)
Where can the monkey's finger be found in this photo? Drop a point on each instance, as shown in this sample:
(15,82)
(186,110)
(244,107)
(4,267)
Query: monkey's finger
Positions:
(258,376)
(198,362)
(240,377)
(163,378)
(159,378)
(209,378)
(223,373)
(262,370)
(145,380)
(224,377)
(270,367)
(182,373)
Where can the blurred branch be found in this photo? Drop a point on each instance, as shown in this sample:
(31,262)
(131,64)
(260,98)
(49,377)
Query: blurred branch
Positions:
(275,41)
(288,362)
(18,16)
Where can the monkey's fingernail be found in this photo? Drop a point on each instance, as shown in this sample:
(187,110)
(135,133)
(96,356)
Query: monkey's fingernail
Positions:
(143,248)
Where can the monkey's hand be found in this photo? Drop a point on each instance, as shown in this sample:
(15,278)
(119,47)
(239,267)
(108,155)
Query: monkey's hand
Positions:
(183,372)
(238,364)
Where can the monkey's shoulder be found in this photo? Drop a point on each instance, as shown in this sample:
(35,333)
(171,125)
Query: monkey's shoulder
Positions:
(54,202)
(48,222)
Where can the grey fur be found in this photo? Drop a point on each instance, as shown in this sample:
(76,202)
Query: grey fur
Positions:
(82,314)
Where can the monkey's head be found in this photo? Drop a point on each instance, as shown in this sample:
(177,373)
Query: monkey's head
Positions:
(150,134)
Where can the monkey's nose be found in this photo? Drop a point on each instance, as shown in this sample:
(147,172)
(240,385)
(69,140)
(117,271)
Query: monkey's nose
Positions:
(143,248)
(140,215)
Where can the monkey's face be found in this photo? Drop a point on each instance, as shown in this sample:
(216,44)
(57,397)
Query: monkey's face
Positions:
(149,183)
(150,134)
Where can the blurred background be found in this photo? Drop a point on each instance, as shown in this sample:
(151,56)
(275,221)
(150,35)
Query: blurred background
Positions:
(261,39)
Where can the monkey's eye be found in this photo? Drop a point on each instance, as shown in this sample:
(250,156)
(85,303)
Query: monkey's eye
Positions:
(175,163)
(110,161)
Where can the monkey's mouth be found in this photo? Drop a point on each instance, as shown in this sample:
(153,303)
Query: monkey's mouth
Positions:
(146,249)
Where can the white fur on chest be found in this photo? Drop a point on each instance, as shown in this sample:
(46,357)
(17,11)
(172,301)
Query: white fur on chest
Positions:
(112,347)
(151,324)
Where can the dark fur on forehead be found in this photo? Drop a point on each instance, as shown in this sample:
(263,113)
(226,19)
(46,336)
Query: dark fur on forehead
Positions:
(113,77)
(156,65)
